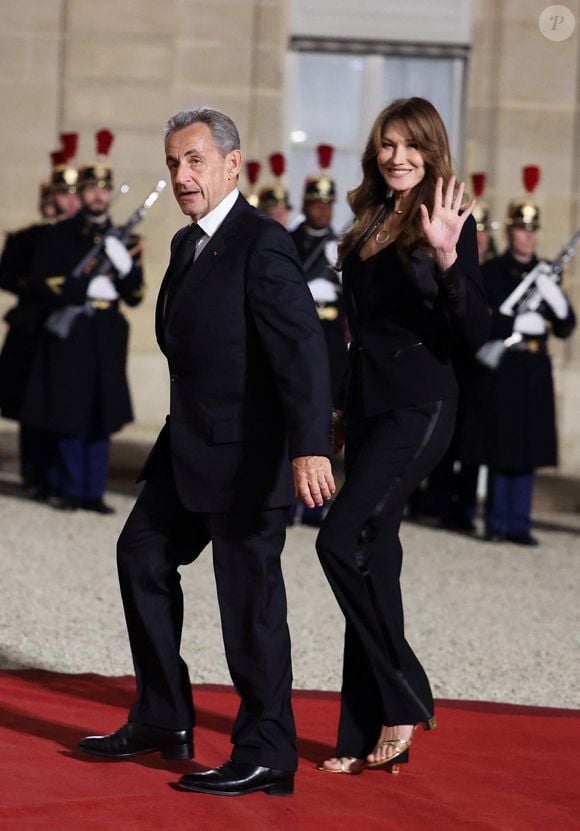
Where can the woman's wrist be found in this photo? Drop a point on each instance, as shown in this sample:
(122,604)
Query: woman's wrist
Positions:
(445,259)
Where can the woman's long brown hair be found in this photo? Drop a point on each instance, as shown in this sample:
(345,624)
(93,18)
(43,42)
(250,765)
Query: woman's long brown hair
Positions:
(419,118)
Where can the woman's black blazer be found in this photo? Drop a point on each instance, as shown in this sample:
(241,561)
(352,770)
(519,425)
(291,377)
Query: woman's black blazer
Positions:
(415,322)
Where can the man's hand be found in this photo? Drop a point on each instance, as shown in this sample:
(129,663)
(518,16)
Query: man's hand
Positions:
(313,479)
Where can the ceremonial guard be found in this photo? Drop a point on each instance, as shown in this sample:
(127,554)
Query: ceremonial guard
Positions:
(317,248)
(57,199)
(450,493)
(273,198)
(83,268)
(527,306)
(65,201)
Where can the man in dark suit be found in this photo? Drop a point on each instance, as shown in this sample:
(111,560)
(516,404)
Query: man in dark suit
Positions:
(248,427)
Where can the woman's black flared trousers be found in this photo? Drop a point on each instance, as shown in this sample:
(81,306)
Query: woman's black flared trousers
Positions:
(386,458)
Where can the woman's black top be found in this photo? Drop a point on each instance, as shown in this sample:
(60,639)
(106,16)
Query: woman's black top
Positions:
(409,322)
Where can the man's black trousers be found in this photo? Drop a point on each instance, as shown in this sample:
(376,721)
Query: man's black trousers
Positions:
(159,536)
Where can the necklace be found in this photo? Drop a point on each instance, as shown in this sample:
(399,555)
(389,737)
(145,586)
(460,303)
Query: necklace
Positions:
(382,236)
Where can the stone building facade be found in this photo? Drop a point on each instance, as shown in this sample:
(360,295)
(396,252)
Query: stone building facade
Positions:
(78,65)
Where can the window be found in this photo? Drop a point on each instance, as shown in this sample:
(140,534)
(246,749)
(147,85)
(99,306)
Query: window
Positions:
(333,98)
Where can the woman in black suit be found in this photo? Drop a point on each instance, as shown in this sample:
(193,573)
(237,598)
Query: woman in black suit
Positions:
(413,297)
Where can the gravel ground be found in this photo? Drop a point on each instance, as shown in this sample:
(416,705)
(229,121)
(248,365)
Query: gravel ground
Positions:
(490,622)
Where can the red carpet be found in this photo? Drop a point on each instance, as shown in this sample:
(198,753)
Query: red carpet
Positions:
(487,767)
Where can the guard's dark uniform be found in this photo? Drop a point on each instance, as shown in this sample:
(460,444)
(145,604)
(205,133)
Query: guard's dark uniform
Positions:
(521,420)
(312,250)
(78,385)
(25,320)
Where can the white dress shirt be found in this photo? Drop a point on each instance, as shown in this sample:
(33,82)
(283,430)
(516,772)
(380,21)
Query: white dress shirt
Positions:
(212,221)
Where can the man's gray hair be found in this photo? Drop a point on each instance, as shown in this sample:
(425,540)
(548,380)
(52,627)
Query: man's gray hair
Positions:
(223,130)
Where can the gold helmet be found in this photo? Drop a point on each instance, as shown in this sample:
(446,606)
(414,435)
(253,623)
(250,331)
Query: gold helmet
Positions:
(276,193)
(321,186)
(98,173)
(522,212)
(64,176)
(481,211)
(253,174)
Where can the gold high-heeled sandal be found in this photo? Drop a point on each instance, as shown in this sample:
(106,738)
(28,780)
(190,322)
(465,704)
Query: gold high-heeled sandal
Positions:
(401,747)
(346,763)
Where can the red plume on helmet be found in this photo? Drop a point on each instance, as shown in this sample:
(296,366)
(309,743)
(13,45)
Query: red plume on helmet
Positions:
(277,164)
(253,171)
(69,145)
(478,183)
(63,178)
(98,173)
(104,140)
(531,177)
(325,153)
(57,157)
(523,212)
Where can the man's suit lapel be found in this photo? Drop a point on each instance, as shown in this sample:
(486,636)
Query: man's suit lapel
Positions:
(162,296)
(206,261)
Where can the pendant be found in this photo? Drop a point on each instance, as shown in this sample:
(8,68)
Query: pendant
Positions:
(382,237)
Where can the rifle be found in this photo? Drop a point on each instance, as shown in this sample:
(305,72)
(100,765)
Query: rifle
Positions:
(95,262)
(526,298)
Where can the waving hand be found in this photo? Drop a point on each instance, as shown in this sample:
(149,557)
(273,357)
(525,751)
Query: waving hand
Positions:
(443,228)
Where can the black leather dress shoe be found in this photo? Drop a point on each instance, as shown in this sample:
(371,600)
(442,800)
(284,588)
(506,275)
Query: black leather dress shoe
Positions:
(132,739)
(523,539)
(237,779)
(99,506)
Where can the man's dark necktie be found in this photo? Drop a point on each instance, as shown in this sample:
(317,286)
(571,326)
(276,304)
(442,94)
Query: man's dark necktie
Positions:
(181,261)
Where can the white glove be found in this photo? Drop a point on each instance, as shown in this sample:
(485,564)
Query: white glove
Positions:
(322,290)
(101,288)
(490,354)
(118,255)
(331,252)
(553,295)
(530,323)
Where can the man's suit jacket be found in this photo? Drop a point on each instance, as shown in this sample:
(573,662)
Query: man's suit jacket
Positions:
(248,368)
